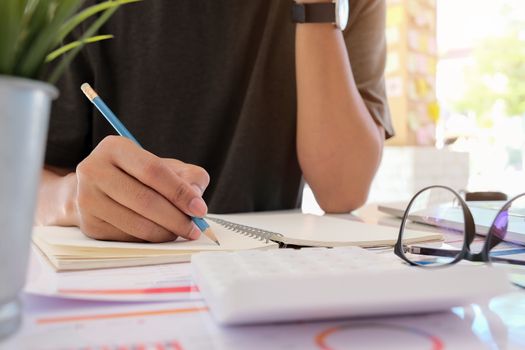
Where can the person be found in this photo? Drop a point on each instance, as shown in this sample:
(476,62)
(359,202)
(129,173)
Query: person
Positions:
(234,104)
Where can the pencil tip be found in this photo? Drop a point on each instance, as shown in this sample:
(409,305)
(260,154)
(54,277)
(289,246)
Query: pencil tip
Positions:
(209,233)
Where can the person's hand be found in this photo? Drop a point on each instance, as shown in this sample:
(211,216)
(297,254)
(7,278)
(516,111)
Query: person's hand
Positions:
(125,193)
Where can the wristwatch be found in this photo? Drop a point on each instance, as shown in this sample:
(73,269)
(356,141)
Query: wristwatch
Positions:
(336,12)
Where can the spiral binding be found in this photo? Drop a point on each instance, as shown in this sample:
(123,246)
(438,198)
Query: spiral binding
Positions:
(249,231)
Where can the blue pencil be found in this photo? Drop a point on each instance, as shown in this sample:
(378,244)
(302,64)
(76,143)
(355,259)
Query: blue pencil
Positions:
(123,131)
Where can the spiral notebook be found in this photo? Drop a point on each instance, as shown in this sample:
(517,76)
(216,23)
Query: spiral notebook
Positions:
(67,248)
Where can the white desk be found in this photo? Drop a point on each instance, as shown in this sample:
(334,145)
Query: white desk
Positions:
(54,323)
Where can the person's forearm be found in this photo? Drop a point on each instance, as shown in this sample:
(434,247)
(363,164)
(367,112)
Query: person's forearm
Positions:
(56,198)
(339,145)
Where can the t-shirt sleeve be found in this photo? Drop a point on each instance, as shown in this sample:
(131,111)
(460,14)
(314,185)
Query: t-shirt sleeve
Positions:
(69,135)
(366,44)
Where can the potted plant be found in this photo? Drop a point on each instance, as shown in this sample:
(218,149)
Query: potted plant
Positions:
(32,34)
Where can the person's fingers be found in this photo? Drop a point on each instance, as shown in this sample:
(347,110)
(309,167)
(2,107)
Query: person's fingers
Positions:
(155,173)
(193,174)
(92,202)
(126,220)
(141,199)
(97,229)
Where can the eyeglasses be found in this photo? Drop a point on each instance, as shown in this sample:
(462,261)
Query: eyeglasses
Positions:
(447,211)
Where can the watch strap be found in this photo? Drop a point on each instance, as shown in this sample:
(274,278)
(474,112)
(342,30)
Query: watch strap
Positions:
(314,12)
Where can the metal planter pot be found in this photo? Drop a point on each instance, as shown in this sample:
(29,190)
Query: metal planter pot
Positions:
(24,115)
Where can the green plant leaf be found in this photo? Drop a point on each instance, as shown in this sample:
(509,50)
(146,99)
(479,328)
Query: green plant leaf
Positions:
(70,46)
(36,16)
(31,29)
(33,59)
(73,22)
(57,72)
(11,12)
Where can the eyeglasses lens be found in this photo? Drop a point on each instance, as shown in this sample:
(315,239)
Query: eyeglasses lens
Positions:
(507,226)
(438,210)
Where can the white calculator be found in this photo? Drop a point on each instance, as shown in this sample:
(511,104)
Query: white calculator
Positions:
(259,286)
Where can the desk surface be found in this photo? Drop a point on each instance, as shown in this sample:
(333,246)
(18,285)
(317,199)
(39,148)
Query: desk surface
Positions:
(185,323)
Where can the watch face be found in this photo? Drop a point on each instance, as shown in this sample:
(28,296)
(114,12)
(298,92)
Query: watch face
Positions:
(342,13)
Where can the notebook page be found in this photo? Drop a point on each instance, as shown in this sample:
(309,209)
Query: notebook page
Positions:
(71,239)
(314,230)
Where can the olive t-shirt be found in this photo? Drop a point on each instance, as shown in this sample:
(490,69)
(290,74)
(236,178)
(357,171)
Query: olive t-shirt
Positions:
(210,83)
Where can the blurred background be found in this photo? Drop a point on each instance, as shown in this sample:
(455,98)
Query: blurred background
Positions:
(456,88)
